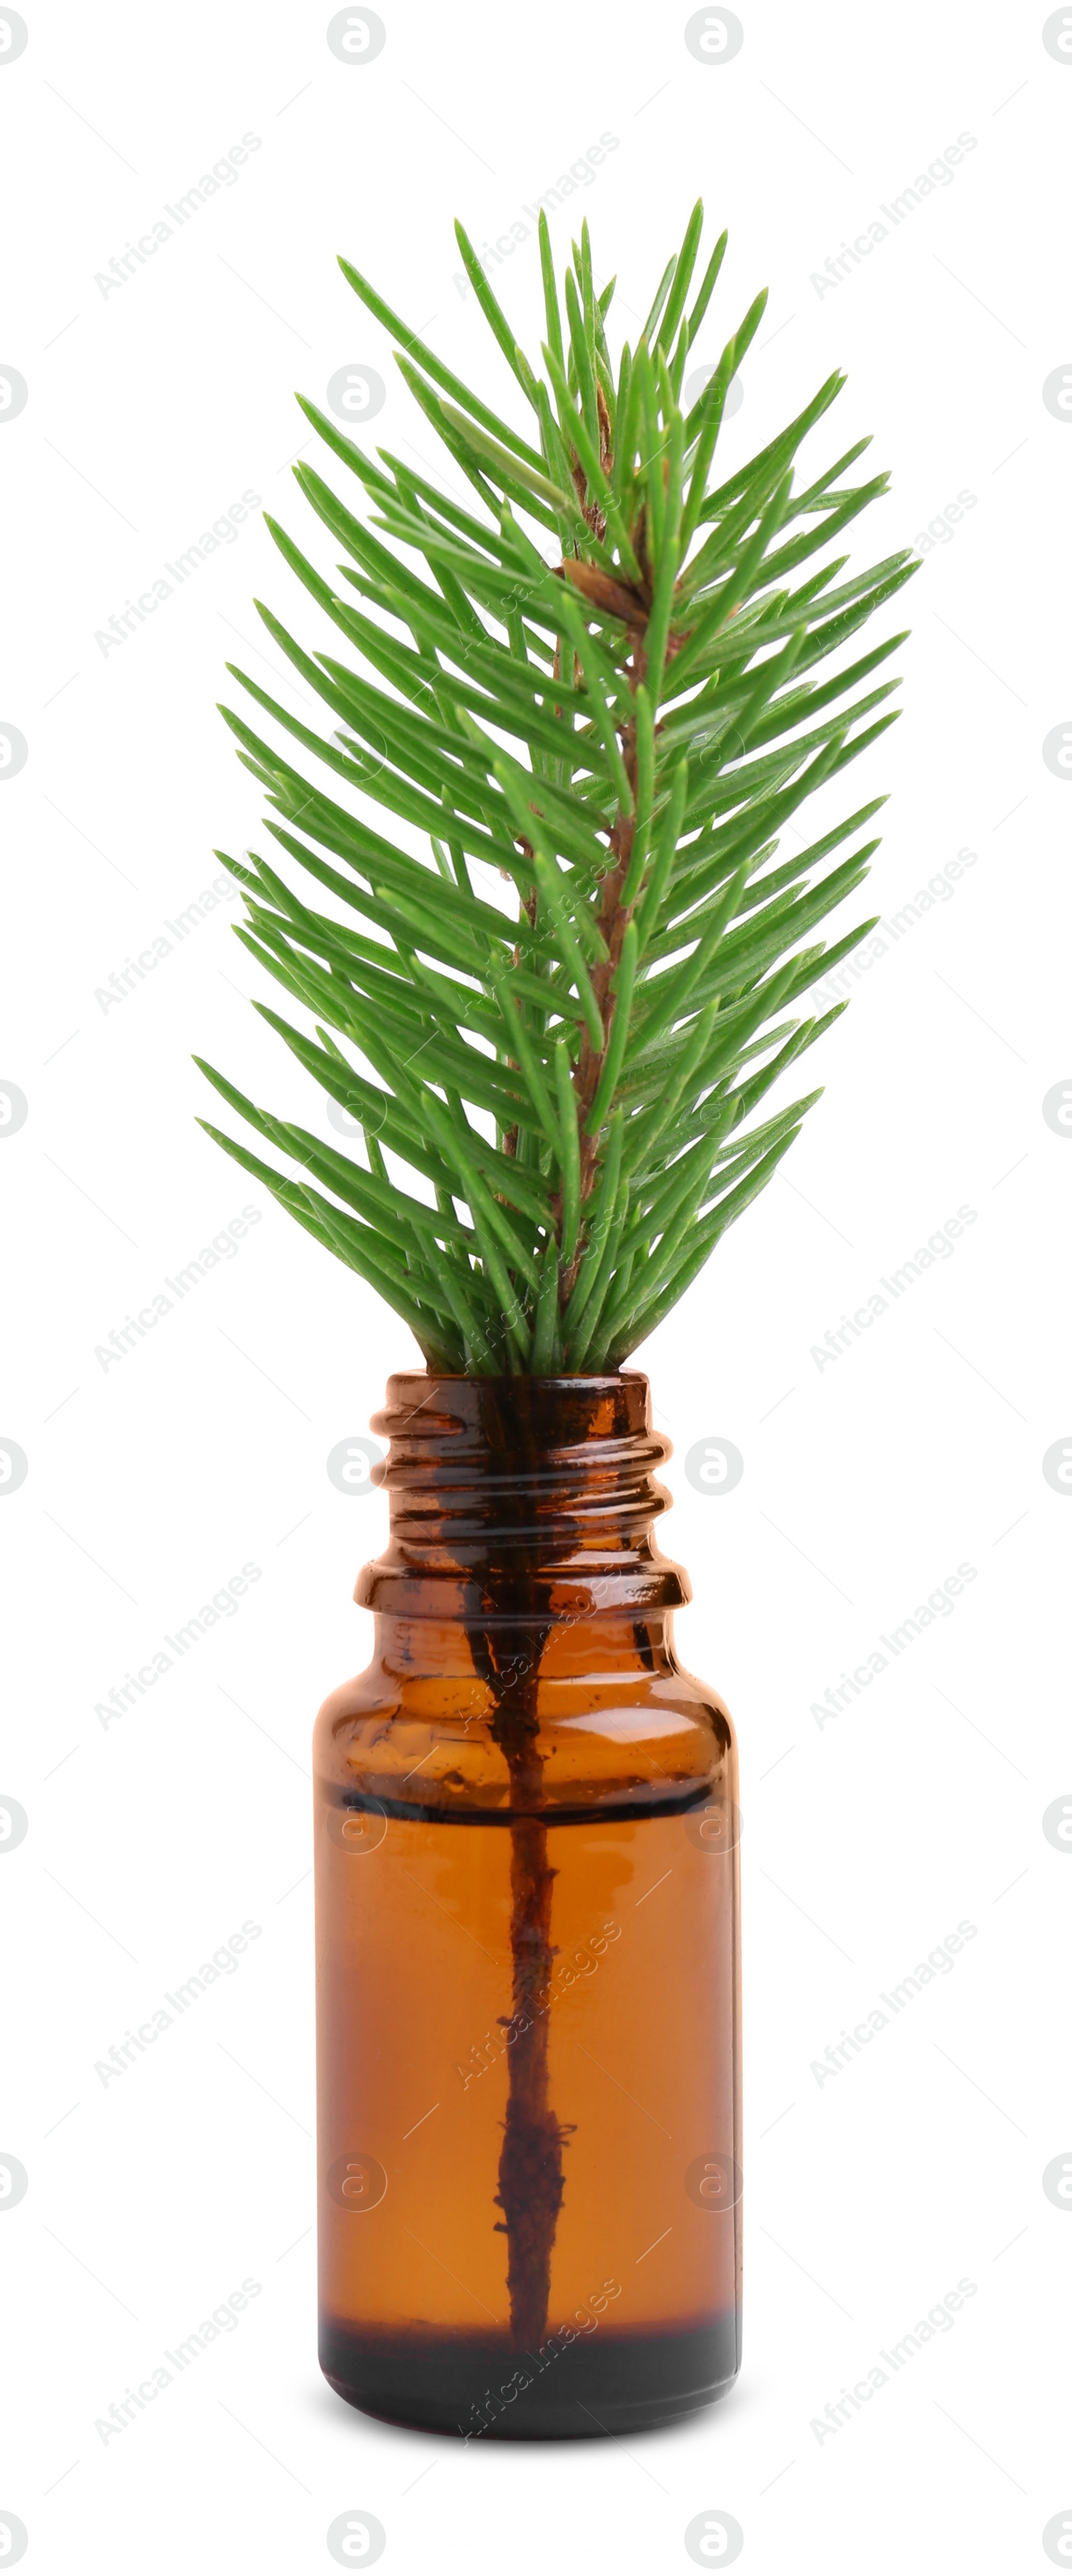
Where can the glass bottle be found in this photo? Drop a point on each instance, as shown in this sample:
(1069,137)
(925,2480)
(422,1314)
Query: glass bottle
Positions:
(527,1939)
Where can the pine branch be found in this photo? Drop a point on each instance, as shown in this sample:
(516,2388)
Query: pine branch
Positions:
(589,699)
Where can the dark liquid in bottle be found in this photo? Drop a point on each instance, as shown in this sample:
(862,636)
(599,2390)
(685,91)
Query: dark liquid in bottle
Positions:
(416,2029)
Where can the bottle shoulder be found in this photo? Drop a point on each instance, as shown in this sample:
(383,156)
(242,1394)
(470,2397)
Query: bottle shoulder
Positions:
(423,1741)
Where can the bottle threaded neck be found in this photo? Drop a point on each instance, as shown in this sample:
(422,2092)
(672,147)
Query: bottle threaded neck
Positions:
(537,1491)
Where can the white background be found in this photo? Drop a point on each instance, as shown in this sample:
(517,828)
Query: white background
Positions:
(867,1481)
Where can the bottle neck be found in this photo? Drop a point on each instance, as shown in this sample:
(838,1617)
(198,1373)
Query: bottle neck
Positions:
(521,1498)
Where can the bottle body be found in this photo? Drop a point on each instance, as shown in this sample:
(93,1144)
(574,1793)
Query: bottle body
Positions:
(527,1950)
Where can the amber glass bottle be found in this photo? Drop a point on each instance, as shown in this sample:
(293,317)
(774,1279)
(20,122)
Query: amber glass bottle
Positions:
(527,1939)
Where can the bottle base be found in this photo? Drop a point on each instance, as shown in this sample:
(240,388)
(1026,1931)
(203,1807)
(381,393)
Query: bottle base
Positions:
(477,2387)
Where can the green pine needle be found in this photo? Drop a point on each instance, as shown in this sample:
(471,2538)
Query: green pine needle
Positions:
(589,699)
